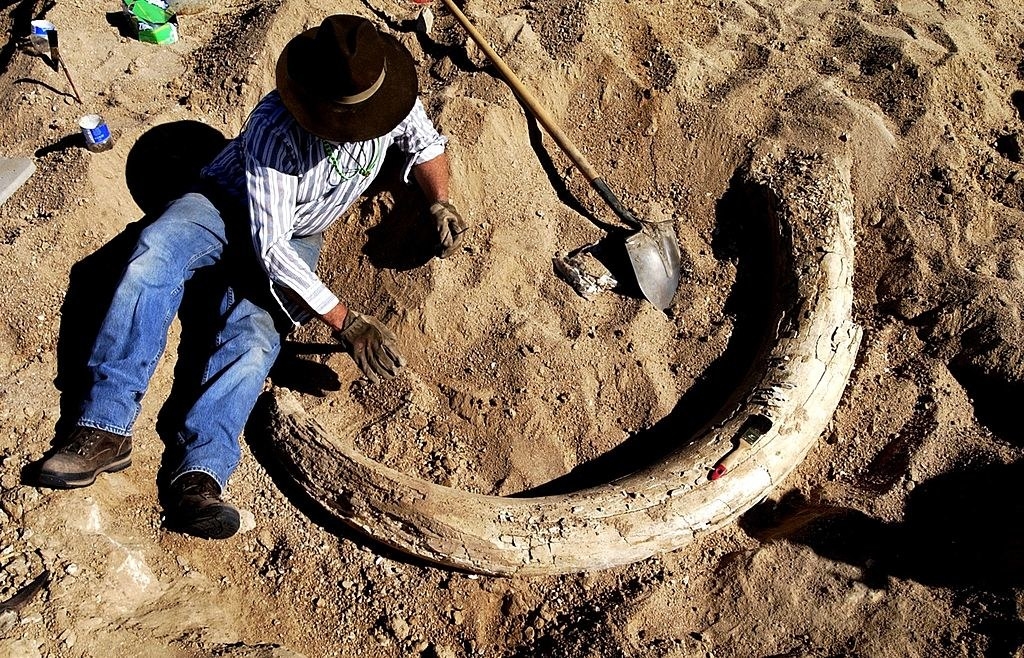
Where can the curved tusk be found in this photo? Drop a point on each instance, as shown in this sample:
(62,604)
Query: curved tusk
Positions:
(793,392)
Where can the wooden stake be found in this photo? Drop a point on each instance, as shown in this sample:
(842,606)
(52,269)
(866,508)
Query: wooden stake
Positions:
(51,37)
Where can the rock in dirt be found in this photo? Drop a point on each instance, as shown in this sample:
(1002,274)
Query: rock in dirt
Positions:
(22,598)
(247,521)
(399,627)
(13,173)
(8,620)
(241,650)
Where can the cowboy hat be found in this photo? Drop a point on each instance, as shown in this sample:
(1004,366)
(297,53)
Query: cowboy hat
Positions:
(344,81)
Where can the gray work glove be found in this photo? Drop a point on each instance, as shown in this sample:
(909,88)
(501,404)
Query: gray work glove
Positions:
(451,228)
(371,345)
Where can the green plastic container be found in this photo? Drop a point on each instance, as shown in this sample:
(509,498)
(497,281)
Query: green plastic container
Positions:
(158,34)
(153,12)
(151,20)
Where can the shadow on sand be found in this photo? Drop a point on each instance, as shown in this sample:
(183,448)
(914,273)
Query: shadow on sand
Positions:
(742,231)
(962,530)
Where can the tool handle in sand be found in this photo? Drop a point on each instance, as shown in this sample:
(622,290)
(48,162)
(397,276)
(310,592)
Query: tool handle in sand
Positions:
(528,98)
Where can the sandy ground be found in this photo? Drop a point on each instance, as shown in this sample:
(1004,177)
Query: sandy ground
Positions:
(901,533)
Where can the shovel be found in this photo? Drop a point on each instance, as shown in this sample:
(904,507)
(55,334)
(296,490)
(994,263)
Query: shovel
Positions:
(652,246)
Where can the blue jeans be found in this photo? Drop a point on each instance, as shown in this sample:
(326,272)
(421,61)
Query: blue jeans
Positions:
(191,234)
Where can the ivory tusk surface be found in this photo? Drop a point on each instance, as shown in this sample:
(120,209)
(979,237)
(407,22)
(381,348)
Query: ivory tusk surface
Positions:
(796,385)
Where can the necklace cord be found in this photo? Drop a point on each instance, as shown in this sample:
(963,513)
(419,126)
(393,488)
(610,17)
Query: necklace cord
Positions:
(365,170)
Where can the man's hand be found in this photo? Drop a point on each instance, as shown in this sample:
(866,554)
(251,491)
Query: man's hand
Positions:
(371,345)
(451,228)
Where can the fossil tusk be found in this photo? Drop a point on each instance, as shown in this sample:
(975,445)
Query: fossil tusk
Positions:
(794,389)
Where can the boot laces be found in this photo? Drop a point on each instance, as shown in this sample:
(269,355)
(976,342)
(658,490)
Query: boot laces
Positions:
(84,443)
(198,486)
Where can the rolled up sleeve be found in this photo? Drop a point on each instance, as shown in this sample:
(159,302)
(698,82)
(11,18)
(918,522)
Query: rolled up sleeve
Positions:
(417,137)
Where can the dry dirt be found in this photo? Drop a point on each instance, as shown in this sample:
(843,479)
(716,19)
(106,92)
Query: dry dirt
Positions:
(900,535)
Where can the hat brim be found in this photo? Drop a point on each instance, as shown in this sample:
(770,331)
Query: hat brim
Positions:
(378,115)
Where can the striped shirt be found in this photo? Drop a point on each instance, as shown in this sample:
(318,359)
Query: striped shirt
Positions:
(296,184)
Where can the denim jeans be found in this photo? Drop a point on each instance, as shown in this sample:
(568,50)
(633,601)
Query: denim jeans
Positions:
(190,234)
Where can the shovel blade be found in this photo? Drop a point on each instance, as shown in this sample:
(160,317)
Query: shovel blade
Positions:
(654,254)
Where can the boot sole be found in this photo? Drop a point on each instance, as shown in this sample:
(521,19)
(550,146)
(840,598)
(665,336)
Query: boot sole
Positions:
(215,522)
(76,480)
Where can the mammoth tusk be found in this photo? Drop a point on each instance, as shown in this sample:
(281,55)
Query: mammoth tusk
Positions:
(791,395)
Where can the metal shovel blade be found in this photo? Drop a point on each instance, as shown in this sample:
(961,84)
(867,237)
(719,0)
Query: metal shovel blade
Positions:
(654,254)
(653,250)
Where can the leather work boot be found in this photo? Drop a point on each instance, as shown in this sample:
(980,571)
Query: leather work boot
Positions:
(196,508)
(87,453)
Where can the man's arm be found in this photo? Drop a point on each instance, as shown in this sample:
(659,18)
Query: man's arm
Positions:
(335,318)
(433,177)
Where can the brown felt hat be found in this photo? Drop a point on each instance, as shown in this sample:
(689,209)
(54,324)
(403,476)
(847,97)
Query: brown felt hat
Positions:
(346,82)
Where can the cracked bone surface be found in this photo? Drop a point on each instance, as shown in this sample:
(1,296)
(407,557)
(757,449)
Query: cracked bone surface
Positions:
(796,383)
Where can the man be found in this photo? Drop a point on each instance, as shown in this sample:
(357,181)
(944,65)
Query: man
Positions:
(345,93)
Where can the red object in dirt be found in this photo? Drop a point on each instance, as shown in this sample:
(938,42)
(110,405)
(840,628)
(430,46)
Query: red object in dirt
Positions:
(753,428)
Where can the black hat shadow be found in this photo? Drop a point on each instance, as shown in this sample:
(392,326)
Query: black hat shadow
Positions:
(166,160)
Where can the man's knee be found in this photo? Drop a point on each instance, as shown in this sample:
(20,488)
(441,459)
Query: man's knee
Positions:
(260,334)
(189,230)
(152,264)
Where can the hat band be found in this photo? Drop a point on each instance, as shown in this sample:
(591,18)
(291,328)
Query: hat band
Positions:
(363,95)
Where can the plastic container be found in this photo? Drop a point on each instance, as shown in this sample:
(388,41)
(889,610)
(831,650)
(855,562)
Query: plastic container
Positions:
(153,12)
(39,39)
(161,35)
(96,133)
(151,20)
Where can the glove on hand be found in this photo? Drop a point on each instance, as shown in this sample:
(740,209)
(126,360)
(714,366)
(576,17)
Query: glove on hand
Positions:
(451,228)
(371,345)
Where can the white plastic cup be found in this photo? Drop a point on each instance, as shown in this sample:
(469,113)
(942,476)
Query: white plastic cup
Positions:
(39,38)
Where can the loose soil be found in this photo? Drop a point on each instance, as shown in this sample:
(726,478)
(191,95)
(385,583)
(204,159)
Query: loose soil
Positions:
(901,533)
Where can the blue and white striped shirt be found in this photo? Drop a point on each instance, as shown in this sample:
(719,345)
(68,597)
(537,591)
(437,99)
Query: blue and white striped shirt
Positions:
(296,184)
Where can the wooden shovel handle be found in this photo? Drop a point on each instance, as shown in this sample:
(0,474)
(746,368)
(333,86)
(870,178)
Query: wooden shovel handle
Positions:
(528,98)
